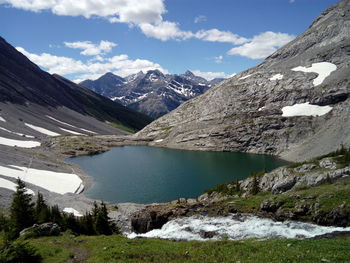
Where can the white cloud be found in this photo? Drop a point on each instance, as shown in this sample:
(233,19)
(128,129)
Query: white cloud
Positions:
(291,1)
(130,11)
(215,35)
(165,30)
(90,49)
(218,59)
(120,65)
(262,45)
(200,18)
(211,75)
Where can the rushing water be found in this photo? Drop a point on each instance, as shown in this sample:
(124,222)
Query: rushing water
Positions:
(144,174)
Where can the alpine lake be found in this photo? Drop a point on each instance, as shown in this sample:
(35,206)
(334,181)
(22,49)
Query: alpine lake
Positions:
(143,174)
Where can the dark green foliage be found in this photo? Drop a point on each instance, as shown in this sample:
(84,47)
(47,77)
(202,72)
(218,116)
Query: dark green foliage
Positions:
(55,215)
(232,188)
(42,210)
(102,221)
(255,187)
(22,212)
(19,252)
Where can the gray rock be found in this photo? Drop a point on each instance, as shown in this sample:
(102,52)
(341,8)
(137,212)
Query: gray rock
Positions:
(305,168)
(46,229)
(245,115)
(328,163)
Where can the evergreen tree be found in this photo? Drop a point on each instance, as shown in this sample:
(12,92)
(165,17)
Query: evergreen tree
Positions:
(55,215)
(42,211)
(102,221)
(22,209)
(255,187)
(86,223)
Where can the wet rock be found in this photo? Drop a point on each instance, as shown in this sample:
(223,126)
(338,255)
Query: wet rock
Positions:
(270,206)
(145,220)
(207,234)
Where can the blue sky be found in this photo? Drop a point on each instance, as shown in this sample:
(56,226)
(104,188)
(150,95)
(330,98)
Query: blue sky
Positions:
(82,39)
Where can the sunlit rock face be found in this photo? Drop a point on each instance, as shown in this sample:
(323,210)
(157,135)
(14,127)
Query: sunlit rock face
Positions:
(248,111)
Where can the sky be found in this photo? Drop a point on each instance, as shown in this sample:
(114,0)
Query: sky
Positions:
(84,39)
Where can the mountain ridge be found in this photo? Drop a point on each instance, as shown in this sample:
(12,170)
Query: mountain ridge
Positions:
(152,93)
(245,112)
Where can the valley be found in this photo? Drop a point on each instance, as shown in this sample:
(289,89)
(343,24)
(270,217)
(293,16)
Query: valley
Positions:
(257,164)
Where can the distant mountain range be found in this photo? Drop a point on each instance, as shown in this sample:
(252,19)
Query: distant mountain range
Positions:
(151,93)
(37,103)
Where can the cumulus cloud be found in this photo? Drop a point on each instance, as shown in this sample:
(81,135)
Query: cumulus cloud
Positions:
(165,30)
(199,19)
(121,65)
(90,49)
(215,35)
(211,75)
(262,45)
(130,11)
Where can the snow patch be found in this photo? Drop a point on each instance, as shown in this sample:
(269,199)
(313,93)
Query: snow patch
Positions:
(56,182)
(277,77)
(19,143)
(323,69)
(305,109)
(16,133)
(72,132)
(245,77)
(160,140)
(42,130)
(12,186)
(234,228)
(70,210)
(52,118)
(2,119)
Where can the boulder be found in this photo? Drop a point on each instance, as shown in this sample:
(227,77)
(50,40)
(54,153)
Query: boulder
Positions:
(46,229)
(328,163)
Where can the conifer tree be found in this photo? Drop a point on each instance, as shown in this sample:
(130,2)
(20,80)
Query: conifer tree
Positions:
(102,221)
(42,211)
(22,209)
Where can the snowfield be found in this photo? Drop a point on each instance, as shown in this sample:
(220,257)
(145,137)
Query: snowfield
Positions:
(305,109)
(16,133)
(19,143)
(245,77)
(2,119)
(42,130)
(52,118)
(70,210)
(192,228)
(56,182)
(12,186)
(277,77)
(72,132)
(323,69)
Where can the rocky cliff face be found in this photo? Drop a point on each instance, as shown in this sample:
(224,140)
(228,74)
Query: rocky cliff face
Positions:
(250,112)
(153,93)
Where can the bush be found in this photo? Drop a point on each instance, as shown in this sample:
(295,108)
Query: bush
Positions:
(19,252)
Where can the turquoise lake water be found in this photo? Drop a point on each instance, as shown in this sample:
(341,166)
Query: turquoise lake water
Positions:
(143,174)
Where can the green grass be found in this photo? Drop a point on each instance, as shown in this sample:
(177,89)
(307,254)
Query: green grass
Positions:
(122,127)
(116,248)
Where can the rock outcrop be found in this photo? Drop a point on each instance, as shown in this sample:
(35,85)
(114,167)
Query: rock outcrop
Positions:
(249,112)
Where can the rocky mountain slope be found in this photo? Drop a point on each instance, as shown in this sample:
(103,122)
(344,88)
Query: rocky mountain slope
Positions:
(31,96)
(294,104)
(153,93)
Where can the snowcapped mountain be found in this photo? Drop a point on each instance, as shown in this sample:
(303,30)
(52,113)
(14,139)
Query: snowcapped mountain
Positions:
(151,93)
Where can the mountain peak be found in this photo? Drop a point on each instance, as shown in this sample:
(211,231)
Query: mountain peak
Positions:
(188,73)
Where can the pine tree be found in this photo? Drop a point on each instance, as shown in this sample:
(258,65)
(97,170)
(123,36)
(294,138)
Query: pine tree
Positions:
(55,215)
(22,209)
(102,221)
(42,211)
(255,187)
